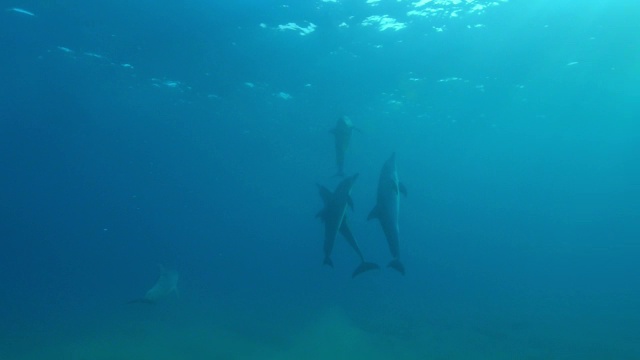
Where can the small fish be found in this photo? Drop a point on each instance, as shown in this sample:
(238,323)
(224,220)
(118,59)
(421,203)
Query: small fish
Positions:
(22,11)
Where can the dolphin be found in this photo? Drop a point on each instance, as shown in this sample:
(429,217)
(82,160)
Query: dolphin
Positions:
(342,133)
(387,208)
(334,212)
(166,284)
(334,217)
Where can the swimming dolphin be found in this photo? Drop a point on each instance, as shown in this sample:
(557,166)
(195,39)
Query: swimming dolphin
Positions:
(387,208)
(333,213)
(333,216)
(342,133)
(166,284)
(328,216)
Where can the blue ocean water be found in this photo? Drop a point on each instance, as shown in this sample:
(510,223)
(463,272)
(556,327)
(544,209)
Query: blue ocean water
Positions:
(192,134)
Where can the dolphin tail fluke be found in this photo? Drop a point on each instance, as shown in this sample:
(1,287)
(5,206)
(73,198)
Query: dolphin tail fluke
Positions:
(327,261)
(396,264)
(365,266)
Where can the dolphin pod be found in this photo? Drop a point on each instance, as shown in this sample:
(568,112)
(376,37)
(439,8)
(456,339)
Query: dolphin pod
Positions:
(386,209)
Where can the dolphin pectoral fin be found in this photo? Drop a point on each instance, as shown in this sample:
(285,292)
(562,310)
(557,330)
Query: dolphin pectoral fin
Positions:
(365,266)
(327,261)
(403,189)
(374,214)
(322,214)
(350,202)
(396,264)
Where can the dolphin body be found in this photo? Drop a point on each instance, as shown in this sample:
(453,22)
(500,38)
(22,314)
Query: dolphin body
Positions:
(334,217)
(342,133)
(387,208)
(166,284)
(327,197)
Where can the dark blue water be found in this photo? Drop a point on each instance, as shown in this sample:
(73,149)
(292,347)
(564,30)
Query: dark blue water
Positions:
(192,134)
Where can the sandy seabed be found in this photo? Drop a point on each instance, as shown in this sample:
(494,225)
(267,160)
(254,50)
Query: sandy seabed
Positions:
(330,334)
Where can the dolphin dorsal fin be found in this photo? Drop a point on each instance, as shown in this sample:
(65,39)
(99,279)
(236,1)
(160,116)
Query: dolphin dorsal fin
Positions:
(402,188)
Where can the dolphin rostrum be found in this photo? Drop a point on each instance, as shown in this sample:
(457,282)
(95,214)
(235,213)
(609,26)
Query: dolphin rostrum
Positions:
(387,208)
(166,284)
(335,220)
(342,133)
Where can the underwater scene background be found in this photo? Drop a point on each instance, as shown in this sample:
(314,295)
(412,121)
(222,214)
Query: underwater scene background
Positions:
(190,136)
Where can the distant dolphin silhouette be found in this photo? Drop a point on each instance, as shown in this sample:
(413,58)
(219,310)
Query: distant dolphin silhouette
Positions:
(335,220)
(342,133)
(387,208)
(166,284)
